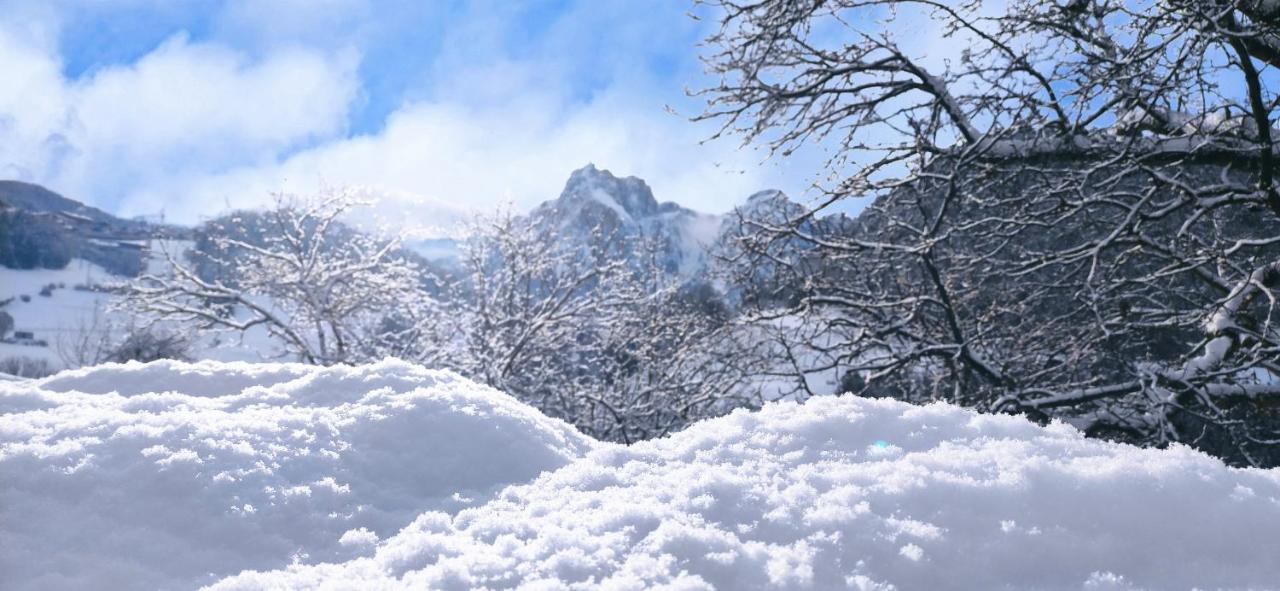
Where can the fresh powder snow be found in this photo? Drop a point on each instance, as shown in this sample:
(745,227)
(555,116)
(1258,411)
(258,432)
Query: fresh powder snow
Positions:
(174,475)
(171,475)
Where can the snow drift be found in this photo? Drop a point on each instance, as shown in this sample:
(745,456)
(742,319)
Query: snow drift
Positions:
(848,493)
(391,476)
(169,475)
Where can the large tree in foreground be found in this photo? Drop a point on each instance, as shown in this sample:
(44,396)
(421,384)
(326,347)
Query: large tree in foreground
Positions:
(1075,211)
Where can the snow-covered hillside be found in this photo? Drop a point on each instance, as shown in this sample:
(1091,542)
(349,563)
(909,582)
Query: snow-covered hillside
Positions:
(78,309)
(173,475)
(59,315)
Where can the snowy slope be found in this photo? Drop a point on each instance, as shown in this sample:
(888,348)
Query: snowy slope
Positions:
(171,475)
(59,317)
(211,468)
(68,315)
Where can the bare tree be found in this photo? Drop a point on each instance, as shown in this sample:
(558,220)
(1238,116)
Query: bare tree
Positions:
(1076,214)
(325,293)
(608,342)
(534,311)
(672,357)
(6,323)
(26,367)
(88,343)
(148,343)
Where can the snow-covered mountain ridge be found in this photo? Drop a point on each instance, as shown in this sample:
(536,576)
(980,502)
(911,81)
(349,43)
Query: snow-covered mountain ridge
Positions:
(602,212)
(595,208)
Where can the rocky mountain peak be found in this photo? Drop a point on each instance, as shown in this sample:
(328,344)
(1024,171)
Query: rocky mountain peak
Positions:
(766,195)
(629,197)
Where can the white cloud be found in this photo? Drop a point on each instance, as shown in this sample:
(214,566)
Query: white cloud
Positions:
(33,110)
(200,98)
(454,158)
(182,109)
(500,125)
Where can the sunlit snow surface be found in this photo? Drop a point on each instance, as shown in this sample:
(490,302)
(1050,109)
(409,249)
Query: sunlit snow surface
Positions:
(392,476)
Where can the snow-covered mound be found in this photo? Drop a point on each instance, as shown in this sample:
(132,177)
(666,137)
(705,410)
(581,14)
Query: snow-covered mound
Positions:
(846,493)
(172,475)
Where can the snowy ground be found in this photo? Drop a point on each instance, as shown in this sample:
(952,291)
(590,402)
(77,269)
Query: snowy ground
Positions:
(386,476)
(67,316)
(55,318)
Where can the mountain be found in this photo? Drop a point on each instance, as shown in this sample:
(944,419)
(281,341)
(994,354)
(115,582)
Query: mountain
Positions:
(37,199)
(42,229)
(600,210)
(597,210)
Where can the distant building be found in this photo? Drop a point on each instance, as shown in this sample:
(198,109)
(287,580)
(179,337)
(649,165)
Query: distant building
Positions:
(26,337)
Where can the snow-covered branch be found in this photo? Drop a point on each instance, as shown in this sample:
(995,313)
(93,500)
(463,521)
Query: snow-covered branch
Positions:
(323,292)
(1074,215)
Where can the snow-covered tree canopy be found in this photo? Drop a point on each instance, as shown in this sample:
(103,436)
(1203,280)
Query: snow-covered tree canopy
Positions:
(591,329)
(328,294)
(582,328)
(1075,213)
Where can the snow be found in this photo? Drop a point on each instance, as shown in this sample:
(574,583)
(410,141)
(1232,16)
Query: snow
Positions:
(67,314)
(801,496)
(170,475)
(603,197)
(56,318)
(16,282)
(393,476)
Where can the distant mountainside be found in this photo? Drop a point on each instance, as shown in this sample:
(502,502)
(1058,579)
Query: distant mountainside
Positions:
(600,212)
(747,275)
(42,229)
(34,198)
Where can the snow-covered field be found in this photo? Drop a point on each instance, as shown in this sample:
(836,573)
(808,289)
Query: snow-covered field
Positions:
(174,476)
(67,315)
(57,318)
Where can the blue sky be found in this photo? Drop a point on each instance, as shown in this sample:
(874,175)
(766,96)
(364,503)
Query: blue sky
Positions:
(439,107)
